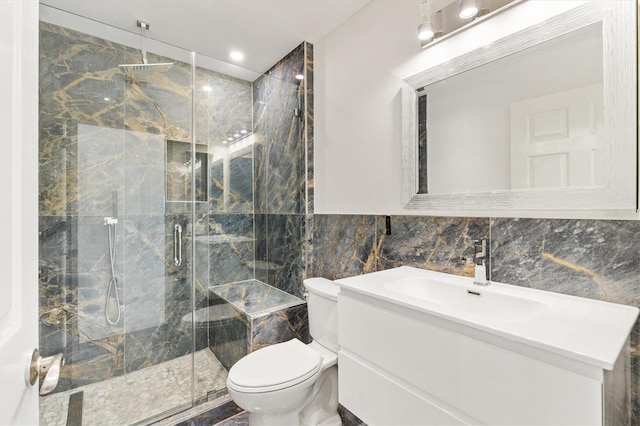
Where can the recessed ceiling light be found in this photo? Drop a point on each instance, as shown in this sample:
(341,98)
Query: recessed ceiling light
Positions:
(107,99)
(207,88)
(236,55)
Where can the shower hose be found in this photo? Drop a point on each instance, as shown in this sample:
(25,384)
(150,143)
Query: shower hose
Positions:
(112,223)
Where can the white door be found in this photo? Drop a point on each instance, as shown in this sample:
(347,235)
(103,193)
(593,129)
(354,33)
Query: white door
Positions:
(556,140)
(18,208)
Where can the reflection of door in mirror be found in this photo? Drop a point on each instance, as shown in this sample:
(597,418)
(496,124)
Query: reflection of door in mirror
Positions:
(556,140)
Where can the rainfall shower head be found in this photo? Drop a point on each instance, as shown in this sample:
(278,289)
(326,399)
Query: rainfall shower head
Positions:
(144,67)
(136,69)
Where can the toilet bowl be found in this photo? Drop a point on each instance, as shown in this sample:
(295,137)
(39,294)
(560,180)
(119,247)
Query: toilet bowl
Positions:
(292,383)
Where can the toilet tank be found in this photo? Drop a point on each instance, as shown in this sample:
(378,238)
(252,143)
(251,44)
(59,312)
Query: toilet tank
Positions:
(322,304)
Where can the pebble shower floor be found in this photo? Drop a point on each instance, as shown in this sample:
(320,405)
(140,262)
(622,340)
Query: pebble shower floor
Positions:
(139,395)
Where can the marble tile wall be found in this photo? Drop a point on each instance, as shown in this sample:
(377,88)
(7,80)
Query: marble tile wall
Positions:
(283,170)
(230,248)
(597,259)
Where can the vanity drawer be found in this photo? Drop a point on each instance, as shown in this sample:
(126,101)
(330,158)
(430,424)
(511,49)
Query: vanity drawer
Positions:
(480,380)
(386,402)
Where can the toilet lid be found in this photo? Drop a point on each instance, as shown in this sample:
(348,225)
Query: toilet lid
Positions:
(275,367)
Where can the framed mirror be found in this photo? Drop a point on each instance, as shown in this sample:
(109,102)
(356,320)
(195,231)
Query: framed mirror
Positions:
(541,123)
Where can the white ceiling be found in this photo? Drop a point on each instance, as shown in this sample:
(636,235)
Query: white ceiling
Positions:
(264,30)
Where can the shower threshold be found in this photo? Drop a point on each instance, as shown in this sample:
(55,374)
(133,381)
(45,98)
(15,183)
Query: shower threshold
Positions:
(140,395)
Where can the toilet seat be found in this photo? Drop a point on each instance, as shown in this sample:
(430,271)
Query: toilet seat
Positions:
(275,367)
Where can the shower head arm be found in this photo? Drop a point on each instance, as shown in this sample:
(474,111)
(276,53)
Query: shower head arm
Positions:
(144,26)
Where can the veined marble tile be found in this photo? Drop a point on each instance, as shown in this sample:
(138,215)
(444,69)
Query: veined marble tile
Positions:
(280,252)
(229,337)
(144,294)
(343,246)
(434,243)
(280,166)
(597,259)
(230,245)
(281,326)
(309,114)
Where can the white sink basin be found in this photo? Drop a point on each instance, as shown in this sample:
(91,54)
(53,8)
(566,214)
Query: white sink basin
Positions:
(586,330)
(472,299)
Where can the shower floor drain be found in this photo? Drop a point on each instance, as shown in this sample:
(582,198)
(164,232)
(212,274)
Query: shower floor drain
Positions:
(74,413)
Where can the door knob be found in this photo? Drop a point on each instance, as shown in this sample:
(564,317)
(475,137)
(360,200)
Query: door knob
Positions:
(49,366)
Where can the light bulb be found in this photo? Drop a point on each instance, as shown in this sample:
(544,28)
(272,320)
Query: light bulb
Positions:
(468,9)
(425,31)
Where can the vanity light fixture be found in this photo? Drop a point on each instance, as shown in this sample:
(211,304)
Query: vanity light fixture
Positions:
(244,132)
(468,9)
(425,29)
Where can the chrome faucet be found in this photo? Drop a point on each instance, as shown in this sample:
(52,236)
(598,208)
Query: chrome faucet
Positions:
(480,259)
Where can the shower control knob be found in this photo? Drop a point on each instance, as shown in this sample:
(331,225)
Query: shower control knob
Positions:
(49,366)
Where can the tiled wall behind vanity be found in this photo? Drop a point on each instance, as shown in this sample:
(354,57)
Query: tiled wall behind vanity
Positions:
(596,259)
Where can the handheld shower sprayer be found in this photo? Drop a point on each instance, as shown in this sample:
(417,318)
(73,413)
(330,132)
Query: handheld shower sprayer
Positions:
(111,223)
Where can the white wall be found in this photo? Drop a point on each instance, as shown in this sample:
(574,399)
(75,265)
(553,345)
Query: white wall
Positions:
(358,72)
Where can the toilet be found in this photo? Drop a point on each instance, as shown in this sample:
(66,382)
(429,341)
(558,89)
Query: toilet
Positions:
(292,383)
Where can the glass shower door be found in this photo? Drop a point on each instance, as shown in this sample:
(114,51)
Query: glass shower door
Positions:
(118,179)
(158,208)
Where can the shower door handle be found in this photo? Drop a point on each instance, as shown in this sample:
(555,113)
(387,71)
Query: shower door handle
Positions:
(177,244)
(49,366)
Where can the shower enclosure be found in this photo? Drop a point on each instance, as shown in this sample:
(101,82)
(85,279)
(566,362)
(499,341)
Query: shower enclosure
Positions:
(148,177)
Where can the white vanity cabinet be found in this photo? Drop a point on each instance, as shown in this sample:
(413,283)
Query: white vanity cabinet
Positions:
(404,365)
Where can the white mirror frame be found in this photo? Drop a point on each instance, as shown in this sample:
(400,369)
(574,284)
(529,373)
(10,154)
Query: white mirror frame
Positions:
(619,198)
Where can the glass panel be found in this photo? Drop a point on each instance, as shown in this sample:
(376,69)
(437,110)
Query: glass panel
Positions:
(158,336)
(115,295)
(224,232)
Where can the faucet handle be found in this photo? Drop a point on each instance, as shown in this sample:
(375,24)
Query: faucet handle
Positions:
(480,247)
(482,274)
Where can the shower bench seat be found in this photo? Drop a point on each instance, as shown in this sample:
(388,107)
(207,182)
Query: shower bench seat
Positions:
(252,315)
